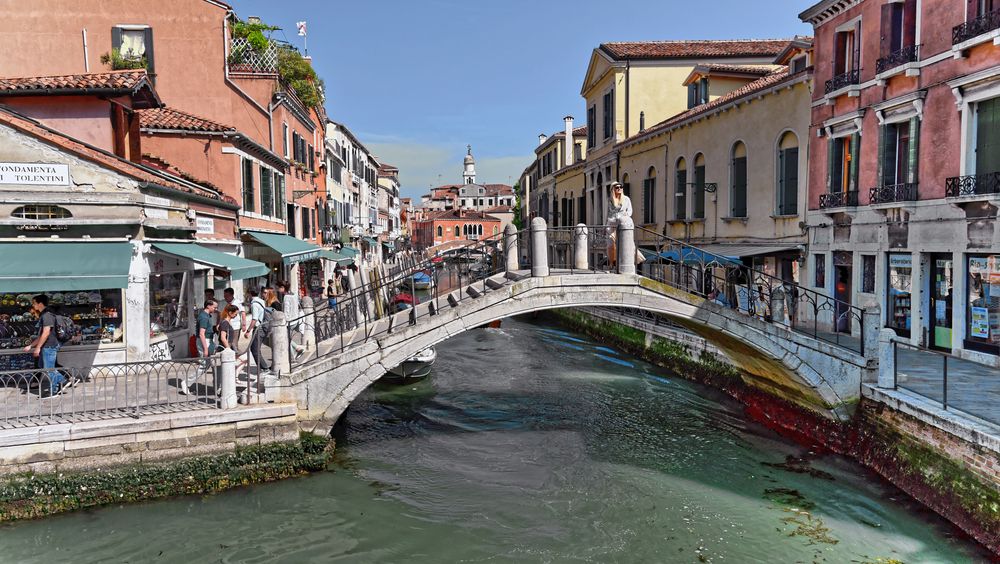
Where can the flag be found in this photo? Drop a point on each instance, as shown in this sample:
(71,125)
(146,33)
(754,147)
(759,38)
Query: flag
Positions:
(302,28)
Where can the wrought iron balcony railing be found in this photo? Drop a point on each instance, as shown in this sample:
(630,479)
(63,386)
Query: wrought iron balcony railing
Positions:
(983,24)
(905,192)
(841,80)
(838,200)
(972,185)
(896,58)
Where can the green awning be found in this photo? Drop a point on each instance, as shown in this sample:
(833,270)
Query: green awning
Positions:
(339,258)
(49,267)
(292,250)
(349,251)
(389,245)
(239,268)
(371,241)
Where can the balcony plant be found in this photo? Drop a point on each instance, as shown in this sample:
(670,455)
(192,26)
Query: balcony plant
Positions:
(118,61)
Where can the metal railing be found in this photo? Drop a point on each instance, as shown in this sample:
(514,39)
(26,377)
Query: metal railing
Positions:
(127,389)
(838,200)
(975,27)
(888,193)
(955,383)
(902,56)
(563,243)
(973,184)
(726,281)
(842,80)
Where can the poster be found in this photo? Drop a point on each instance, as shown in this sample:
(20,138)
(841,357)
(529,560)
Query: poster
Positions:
(980,323)
(995,327)
(978,265)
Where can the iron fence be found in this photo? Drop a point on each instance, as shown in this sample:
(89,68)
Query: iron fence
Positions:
(973,184)
(955,383)
(902,56)
(842,80)
(838,199)
(974,27)
(904,192)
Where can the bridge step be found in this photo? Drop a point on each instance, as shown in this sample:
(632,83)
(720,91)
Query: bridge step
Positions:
(472,291)
(452,300)
(496,282)
(517,275)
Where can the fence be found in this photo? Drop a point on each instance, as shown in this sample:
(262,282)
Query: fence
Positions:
(955,383)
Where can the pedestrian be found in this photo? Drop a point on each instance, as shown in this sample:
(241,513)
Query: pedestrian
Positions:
(255,331)
(230,299)
(45,346)
(227,331)
(271,299)
(204,340)
(345,278)
(619,207)
(332,287)
(282,290)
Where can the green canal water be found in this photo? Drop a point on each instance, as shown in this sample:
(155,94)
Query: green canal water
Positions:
(529,444)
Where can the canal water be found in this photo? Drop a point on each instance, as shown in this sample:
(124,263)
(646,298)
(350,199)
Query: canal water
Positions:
(529,444)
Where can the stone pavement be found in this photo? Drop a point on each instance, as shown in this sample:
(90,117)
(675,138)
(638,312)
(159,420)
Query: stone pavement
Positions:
(972,388)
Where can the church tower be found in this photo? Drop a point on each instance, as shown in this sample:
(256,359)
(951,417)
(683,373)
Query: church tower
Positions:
(469,176)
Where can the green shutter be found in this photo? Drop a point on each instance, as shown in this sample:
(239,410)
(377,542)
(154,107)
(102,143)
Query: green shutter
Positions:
(790,182)
(912,164)
(830,146)
(987,137)
(855,145)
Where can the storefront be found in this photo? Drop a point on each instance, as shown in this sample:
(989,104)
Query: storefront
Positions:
(85,281)
(899,293)
(281,254)
(983,299)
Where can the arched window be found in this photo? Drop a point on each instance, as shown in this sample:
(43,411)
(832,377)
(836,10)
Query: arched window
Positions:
(626,188)
(698,205)
(788,174)
(680,190)
(456,231)
(41,211)
(601,197)
(649,196)
(440,231)
(480,228)
(738,181)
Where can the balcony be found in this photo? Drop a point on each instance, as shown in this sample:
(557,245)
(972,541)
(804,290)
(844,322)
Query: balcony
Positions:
(972,28)
(897,58)
(838,200)
(972,185)
(843,80)
(889,193)
(245,59)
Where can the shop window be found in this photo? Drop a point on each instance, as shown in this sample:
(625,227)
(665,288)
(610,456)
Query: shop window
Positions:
(868,274)
(41,212)
(819,272)
(899,293)
(96,315)
(168,304)
(983,325)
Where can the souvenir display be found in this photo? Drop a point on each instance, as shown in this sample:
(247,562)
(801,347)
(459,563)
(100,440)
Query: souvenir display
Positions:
(96,315)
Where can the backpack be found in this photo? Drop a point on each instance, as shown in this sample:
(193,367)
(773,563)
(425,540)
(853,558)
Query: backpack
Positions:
(65,329)
(264,327)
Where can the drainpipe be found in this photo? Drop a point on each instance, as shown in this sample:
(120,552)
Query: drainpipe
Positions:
(628,66)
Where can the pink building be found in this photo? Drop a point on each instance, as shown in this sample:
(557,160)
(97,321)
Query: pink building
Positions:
(904,167)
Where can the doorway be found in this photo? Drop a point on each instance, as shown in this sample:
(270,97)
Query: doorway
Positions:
(842,262)
(941,297)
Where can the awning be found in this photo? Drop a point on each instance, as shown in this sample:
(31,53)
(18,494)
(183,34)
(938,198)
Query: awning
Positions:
(349,251)
(337,257)
(239,268)
(389,245)
(292,250)
(371,241)
(748,250)
(691,255)
(48,267)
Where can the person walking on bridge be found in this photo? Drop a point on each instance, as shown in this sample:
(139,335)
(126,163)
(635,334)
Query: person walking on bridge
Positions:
(619,207)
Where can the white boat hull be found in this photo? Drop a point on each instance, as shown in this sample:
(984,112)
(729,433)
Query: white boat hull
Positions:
(416,367)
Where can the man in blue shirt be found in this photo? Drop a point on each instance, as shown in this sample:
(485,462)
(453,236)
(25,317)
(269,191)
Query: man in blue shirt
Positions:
(46,345)
(204,339)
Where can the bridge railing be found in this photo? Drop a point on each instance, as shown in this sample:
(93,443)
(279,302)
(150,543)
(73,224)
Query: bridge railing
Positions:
(732,284)
(578,248)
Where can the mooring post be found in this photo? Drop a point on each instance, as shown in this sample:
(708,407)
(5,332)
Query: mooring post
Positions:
(580,249)
(539,248)
(227,380)
(626,246)
(510,247)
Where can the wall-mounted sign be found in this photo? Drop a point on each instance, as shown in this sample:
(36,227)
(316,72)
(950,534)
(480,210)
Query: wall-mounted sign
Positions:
(205,225)
(34,174)
(156,213)
(900,261)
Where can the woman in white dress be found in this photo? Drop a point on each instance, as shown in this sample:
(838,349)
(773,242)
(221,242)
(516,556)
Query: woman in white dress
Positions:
(619,207)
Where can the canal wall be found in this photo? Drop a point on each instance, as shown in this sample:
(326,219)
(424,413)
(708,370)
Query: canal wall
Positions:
(948,466)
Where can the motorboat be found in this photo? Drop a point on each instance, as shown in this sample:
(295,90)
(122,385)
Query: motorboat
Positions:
(421,281)
(417,367)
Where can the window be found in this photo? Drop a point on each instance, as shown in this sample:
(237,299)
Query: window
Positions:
(312,158)
(626,186)
(649,197)
(788,174)
(456,231)
(680,191)
(440,232)
(266,195)
(248,195)
(295,147)
(279,195)
(609,114)
(699,188)
(847,50)
(168,302)
(842,167)
(819,270)
(898,165)
(698,92)
(987,156)
(868,274)
(41,211)
(798,64)
(284,139)
(983,316)
(738,188)
(899,293)
(134,44)
(899,27)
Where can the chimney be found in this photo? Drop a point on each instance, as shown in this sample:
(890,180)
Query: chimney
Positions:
(568,149)
(642,121)
(541,138)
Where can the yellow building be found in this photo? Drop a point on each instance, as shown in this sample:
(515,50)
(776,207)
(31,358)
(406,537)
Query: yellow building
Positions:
(540,195)
(729,174)
(631,84)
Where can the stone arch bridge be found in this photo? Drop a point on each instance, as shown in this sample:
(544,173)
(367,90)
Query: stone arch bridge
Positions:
(779,345)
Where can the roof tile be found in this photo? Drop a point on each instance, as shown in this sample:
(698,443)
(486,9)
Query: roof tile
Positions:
(172,118)
(695,48)
(125,80)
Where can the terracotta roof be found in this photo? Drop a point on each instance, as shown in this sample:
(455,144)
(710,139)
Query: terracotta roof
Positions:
(172,118)
(764,83)
(498,189)
(759,70)
(694,48)
(500,209)
(160,163)
(462,214)
(123,82)
(100,157)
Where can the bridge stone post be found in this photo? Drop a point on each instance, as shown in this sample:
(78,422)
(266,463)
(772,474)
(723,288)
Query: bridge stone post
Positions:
(280,363)
(510,247)
(886,359)
(626,246)
(308,325)
(871,326)
(539,248)
(778,304)
(580,247)
(227,380)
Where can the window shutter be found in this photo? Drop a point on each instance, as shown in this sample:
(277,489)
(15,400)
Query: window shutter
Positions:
(855,145)
(781,182)
(909,22)
(148,38)
(116,38)
(912,162)
(838,55)
(885,39)
(971,10)
(739,204)
(830,146)
(856,62)
(883,135)
(791,184)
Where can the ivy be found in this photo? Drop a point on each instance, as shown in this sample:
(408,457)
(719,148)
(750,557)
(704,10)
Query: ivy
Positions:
(31,496)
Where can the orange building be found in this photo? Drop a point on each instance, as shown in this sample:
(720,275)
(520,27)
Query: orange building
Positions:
(453,225)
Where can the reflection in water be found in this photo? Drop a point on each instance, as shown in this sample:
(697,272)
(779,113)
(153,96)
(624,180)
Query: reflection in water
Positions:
(530,444)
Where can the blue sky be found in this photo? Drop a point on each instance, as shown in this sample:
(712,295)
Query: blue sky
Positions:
(417,80)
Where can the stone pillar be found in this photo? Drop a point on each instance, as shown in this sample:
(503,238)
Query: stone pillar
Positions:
(626,246)
(539,247)
(308,327)
(280,363)
(580,249)
(510,247)
(886,359)
(871,323)
(227,380)
(137,306)
(778,305)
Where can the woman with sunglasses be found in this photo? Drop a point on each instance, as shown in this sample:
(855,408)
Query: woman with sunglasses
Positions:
(619,207)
